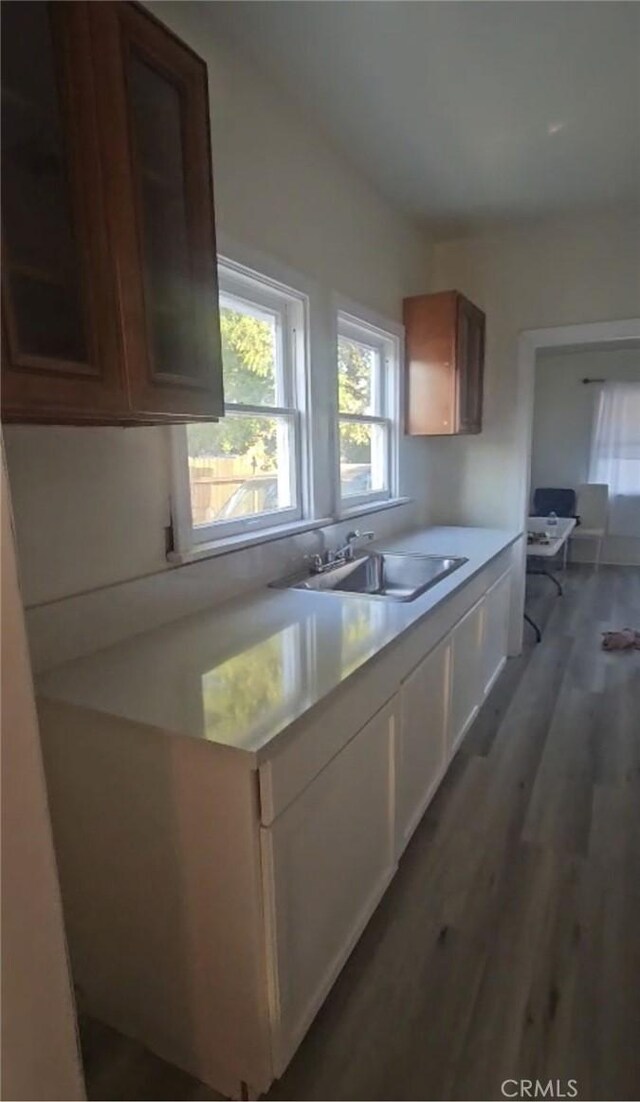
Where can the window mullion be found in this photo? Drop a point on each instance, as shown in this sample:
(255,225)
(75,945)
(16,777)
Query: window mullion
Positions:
(288,359)
(260,411)
(364,418)
(377,392)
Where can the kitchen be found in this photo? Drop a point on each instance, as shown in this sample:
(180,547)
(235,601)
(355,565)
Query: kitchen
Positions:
(359,395)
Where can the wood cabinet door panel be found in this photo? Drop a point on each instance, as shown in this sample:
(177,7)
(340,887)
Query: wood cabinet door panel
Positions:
(153,103)
(430,354)
(444,364)
(61,358)
(422,745)
(326,862)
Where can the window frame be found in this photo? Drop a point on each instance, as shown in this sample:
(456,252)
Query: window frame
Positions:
(387,344)
(254,289)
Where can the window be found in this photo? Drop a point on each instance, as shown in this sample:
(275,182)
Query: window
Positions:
(271,465)
(245,472)
(367,412)
(615,454)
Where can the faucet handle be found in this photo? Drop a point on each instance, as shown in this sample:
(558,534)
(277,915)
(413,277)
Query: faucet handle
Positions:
(317,562)
(347,549)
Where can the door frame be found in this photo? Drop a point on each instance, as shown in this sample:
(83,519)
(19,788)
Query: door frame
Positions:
(530,341)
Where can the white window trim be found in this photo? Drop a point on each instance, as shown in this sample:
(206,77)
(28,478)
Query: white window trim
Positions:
(359,323)
(241,282)
(319,474)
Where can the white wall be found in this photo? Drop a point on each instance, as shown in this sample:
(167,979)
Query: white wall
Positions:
(545,275)
(563,422)
(40,1058)
(92,505)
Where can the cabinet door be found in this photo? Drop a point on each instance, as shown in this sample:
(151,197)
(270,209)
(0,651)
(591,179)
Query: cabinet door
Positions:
(466,673)
(495,629)
(422,745)
(326,862)
(430,327)
(61,357)
(154,121)
(469,365)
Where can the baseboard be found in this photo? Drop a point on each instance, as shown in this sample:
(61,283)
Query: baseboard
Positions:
(603,562)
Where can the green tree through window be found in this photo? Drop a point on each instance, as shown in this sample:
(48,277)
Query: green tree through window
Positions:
(249,368)
(249,364)
(356,364)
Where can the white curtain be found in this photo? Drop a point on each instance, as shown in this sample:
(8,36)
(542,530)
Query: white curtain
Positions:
(615,454)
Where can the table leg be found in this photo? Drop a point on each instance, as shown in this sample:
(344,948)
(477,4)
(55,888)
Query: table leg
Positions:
(554,580)
(548,574)
(534,626)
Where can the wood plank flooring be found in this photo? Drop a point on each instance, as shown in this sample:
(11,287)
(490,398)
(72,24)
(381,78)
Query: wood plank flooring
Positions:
(508,945)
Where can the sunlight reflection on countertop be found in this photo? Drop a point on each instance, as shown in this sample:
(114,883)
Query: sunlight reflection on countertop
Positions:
(240,673)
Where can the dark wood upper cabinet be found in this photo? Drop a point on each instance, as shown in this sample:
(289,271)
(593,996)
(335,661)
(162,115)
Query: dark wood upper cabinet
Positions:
(60,357)
(110,298)
(444,364)
(153,109)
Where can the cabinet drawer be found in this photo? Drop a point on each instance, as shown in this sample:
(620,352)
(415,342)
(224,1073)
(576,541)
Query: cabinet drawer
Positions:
(316,739)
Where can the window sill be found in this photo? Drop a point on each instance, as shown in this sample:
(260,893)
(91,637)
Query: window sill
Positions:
(373,507)
(228,544)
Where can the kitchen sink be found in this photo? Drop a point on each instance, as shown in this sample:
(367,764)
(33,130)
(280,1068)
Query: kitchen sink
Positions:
(378,574)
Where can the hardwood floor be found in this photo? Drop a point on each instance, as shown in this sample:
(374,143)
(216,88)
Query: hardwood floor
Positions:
(508,945)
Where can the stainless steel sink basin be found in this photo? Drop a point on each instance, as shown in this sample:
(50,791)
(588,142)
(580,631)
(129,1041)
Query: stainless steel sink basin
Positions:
(378,574)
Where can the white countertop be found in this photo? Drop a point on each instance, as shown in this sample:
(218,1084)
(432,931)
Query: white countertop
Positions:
(240,673)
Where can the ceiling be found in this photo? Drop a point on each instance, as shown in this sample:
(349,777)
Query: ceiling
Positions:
(464,113)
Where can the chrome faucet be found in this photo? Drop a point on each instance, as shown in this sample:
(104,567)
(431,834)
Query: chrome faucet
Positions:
(327,559)
(346,552)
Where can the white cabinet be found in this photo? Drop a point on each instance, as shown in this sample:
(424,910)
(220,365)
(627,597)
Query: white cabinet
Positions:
(422,744)
(495,630)
(466,673)
(327,860)
(244,882)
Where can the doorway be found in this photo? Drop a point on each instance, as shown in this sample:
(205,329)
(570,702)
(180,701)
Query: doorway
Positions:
(533,343)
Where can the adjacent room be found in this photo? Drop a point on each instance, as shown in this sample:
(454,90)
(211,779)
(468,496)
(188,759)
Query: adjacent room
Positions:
(584,505)
(320,400)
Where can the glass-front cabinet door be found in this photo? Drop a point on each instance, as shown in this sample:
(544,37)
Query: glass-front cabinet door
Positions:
(154,102)
(60,351)
(109,295)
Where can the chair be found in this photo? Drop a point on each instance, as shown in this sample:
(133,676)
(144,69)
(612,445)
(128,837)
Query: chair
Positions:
(593,509)
(551,499)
